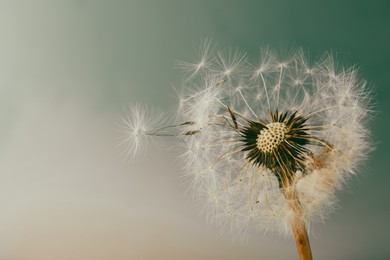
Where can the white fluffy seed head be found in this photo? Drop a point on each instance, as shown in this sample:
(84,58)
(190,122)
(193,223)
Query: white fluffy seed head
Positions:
(222,97)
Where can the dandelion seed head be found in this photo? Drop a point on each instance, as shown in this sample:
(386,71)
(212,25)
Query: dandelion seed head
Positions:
(268,132)
(266,143)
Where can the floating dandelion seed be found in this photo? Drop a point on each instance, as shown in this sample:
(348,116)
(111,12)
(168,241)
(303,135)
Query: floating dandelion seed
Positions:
(137,126)
(268,145)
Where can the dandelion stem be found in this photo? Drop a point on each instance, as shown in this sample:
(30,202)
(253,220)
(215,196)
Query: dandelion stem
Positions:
(301,239)
(297,223)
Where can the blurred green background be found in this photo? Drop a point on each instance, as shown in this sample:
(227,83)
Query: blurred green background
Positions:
(67,68)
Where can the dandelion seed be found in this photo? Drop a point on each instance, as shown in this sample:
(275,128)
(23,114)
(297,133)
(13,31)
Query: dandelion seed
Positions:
(138,124)
(268,145)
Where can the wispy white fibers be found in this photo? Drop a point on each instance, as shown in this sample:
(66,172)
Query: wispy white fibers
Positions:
(231,92)
(138,125)
(266,143)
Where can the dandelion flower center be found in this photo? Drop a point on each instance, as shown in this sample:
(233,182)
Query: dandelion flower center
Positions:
(279,144)
(271,136)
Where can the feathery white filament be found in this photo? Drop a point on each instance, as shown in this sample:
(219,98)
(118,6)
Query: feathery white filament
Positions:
(138,124)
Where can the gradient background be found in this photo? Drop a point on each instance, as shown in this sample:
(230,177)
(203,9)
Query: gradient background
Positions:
(68,67)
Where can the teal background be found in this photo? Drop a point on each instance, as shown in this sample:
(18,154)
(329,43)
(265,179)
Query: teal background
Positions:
(67,68)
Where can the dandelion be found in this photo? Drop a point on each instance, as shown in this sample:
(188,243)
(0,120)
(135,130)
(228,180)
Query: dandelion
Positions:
(267,145)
